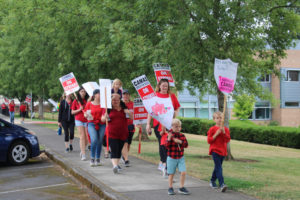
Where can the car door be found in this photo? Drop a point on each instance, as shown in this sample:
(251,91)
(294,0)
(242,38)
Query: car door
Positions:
(3,142)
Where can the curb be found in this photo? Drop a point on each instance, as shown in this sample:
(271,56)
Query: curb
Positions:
(102,190)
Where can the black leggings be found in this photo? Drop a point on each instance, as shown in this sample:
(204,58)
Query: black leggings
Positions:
(116,146)
(68,130)
(162,148)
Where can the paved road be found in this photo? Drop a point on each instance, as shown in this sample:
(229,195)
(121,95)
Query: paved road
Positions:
(40,179)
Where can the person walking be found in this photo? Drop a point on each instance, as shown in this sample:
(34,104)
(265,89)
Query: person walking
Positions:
(11,107)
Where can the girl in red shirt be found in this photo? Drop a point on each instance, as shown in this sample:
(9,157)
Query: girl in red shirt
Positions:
(93,112)
(80,121)
(117,129)
(23,112)
(12,111)
(163,91)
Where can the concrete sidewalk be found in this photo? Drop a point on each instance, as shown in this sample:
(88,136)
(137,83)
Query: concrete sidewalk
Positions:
(141,181)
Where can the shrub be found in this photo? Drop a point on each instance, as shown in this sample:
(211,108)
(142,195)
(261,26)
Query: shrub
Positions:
(278,136)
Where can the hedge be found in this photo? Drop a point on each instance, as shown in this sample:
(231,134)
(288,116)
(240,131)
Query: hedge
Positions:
(278,136)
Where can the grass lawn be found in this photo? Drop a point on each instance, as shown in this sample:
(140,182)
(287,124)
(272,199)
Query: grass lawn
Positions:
(262,171)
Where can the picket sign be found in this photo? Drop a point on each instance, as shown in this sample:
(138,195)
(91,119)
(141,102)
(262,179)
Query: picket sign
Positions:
(90,87)
(160,109)
(52,102)
(163,71)
(140,113)
(69,83)
(225,75)
(28,98)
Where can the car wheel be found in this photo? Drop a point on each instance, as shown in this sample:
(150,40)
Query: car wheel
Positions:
(18,153)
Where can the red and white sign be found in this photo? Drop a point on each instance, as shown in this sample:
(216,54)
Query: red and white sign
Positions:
(143,87)
(69,83)
(140,113)
(6,100)
(28,99)
(163,71)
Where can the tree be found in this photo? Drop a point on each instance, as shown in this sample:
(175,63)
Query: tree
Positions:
(243,106)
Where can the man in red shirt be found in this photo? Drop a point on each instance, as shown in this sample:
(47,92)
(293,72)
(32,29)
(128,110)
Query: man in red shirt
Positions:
(218,137)
(23,112)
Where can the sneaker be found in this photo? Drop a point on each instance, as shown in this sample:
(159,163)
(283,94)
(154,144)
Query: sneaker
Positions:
(122,160)
(127,163)
(83,157)
(119,169)
(97,163)
(213,185)
(171,191)
(183,190)
(223,187)
(92,163)
(71,147)
(67,150)
(115,169)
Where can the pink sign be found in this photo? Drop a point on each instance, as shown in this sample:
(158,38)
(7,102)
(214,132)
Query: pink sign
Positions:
(226,84)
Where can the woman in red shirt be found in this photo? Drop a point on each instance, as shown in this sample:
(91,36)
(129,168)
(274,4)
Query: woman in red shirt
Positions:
(22,112)
(162,91)
(12,111)
(80,121)
(93,112)
(117,129)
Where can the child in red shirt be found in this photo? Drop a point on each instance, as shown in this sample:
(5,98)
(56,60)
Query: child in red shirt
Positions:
(218,137)
(23,112)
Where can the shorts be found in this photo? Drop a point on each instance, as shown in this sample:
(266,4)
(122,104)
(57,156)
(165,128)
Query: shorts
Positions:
(80,123)
(172,164)
(23,114)
(130,136)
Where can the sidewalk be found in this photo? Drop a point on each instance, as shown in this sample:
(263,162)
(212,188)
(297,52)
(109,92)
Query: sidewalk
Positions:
(141,181)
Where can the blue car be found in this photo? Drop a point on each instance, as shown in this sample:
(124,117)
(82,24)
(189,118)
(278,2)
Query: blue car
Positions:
(17,144)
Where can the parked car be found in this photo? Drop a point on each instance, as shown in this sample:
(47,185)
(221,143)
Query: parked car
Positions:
(17,144)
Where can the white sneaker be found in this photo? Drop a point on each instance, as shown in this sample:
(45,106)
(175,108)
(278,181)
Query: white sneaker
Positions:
(92,163)
(83,157)
(97,163)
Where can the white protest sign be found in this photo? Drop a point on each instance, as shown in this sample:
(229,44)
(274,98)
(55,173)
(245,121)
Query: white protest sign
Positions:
(163,71)
(160,109)
(140,113)
(105,86)
(90,87)
(225,74)
(69,83)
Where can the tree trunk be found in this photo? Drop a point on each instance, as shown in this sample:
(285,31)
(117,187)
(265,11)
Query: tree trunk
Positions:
(41,108)
(226,121)
(144,134)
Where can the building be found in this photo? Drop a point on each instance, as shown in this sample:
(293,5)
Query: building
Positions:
(285,89)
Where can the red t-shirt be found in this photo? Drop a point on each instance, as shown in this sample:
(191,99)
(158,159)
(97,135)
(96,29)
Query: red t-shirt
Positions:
(96,112)
(175,103)
(22,108)
(219,145)
(130,108)
(75,106)
(11,107)
(3,106)
(117,126)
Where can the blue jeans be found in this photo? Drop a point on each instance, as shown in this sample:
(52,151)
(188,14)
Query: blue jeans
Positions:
(218,171)
(96,139)
(12,117)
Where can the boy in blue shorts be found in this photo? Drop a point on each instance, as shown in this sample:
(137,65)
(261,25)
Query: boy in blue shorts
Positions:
(175,145)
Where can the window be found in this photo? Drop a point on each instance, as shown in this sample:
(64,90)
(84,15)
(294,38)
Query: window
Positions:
(291,104)
(262,111)
(292,75)
(188,109)
(265,78)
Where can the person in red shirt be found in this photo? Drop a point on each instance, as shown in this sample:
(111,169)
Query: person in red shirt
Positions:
(218,137)
(4,109)
(78,106)
(163,91)
(130,125)
(175,144)
(12,111)
(96,128)
(117,129)
(23,112)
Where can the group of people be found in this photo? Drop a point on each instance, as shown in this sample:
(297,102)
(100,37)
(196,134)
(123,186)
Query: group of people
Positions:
(98,125)
(10,110)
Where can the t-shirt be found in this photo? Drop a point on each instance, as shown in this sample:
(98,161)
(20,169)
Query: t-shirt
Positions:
(130,108)
(22,108)
(219,145)
(175,103)
(117,126)
(75,106)
(96,112)
(11,107)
